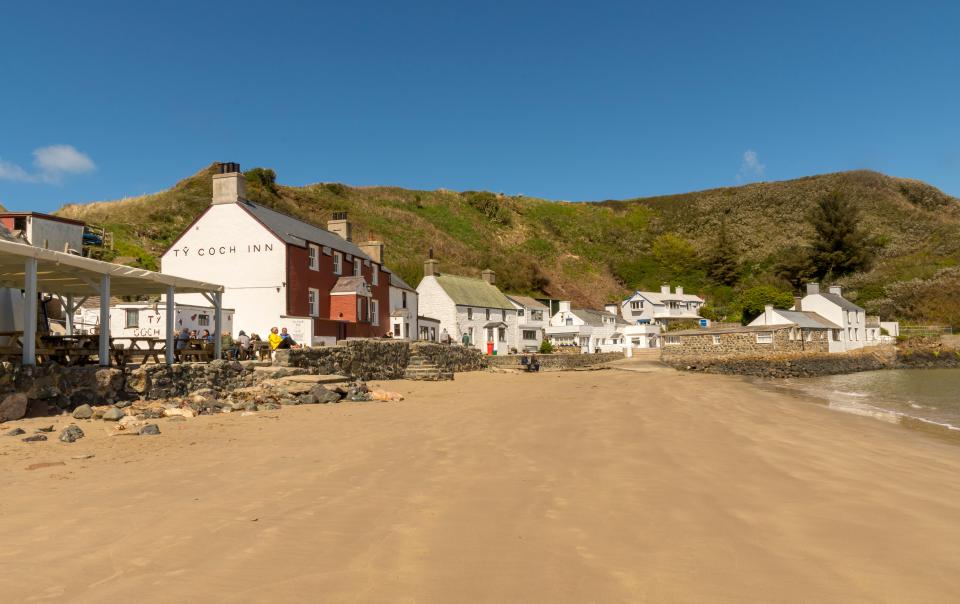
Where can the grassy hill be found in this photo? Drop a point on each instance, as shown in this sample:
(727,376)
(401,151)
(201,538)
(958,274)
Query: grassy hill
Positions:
(593,252)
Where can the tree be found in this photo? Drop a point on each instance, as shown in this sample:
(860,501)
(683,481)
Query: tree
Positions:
(723,266)
(840,246)
(796,266)
(752,301)
(673,253)
(546,347)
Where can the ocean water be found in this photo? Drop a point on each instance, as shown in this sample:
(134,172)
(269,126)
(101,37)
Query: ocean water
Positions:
(914,397)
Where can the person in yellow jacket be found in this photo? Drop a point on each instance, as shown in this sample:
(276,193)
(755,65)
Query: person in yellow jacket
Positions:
(274,338)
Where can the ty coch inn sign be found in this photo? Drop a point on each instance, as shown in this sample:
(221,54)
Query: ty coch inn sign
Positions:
(223,250)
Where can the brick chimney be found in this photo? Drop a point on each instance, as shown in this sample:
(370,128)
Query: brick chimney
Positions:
(431,268)
(797,303)
(229,185)
(489,276)
(374,249)
(338,225)
(813,289)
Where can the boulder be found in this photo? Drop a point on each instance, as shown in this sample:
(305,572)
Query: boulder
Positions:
(83,412)
(35,438)
(113,414)
(184,412)
(138,381)
(45,429)
(71,433)
(16,432)
(150,430)
(384,395)
(13,407)
(324,395)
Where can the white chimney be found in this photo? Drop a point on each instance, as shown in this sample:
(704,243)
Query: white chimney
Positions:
(229,185)
(564,306)
(612,308)
(665,288)
(836,289)
(679,290)
(813,289)
(339,226)
(768,314)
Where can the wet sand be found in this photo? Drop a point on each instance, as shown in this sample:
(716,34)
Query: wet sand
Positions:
(601,486)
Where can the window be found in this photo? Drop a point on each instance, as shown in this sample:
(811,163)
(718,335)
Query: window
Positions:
(375,279)
(357,267)
(359,309)
(488,314)
(403,299)
(519,312)
(536,315)
(636,304)
(133,317)
(569,321)
(203,320)
(765,337)
(313,253)
(396,330)
(716,340)
(671,340)
(375,312)
(502,334)
(836,334)
(529,334)
(313,301)
(469,314)
(337,263)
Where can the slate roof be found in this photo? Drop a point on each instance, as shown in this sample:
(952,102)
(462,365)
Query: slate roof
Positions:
(595,317)
(397,282)
(351,285)
(295,231)
(466,291)
(842,302)
(660,298)
(806,319)
(736,329)
(528,302)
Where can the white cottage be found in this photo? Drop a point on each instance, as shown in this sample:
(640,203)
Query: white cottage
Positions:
(532,318)
(661,307)
(832,306)
(404,309)
(471,311)
(587,330)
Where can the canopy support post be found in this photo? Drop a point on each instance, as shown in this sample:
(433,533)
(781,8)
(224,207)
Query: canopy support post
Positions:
(104,352)
(171,324)
(68,308)
(217,325)
(29,340)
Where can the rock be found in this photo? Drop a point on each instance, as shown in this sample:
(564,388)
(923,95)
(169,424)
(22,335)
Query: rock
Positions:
(113,414)
(83,412)
(129,421)
(45,429)
(307,399)
(71,433)
(383,395)
(138,381)
(16,432)
(184,412)
(150,429)
(35,438)
(178,418)
(323,395)
(86,456)
(13,407)
(268,407)
(122,404)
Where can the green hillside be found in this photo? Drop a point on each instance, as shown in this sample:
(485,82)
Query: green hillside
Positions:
(594,252)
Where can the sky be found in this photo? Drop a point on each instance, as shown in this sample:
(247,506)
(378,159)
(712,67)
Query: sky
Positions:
(562,100)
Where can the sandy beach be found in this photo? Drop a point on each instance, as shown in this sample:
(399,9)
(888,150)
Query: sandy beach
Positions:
(595,486)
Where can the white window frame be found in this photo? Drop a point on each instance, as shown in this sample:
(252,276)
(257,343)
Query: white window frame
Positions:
(529,334)
(672,340)
(469,314)
(203,320)
(374,312)
(313,301)
(337,263)
(375,277)
(716,340)
(764,337)
(357,268)
(131,312)
(313,256)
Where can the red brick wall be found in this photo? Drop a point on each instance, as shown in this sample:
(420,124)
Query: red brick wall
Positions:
(343,308)
(300,278)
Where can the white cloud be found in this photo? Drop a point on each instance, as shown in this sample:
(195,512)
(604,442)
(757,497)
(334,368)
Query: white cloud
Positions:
(750,169)
(51,163)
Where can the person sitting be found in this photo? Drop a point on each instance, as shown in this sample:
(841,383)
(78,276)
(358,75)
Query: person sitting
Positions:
(206,337)
(228,347)
(286,340)
(182,338)
(243,345)
(525,362)
(274,338)
(534,364)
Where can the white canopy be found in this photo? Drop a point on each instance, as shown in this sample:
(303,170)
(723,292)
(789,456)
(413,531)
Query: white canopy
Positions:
(66,274)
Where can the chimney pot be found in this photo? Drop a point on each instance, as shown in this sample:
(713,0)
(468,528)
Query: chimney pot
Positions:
(430,268)
(665,288)
(340,226)
(229,185)
(489,276)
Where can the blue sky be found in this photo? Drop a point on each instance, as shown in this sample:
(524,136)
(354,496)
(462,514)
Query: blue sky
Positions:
(564,100)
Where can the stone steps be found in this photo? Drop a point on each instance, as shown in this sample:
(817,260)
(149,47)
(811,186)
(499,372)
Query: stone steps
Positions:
(420,368)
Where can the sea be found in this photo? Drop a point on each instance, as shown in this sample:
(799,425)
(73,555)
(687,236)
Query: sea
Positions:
(918,398)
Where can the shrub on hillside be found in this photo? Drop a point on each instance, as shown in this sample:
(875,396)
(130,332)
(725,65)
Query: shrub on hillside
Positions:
(752,301)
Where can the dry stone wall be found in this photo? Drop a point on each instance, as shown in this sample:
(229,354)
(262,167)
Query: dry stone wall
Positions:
(742,344)
(556,361)
(362,359)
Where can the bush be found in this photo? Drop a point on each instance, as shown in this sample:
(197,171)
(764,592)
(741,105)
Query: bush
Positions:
(546,347)
(752,301)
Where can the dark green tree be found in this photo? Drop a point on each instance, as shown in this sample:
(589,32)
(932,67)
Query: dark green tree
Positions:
(840,246)
(723,266)
(796,266)
(752,301)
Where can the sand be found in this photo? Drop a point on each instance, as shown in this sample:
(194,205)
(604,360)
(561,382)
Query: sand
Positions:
(601,486)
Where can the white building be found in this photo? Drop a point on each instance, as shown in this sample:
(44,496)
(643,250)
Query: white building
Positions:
(45,231)
(404,309)
(471,311)
(587,330)
(428,329)
(532,318)
(148,319)
(833,307)
(643,335)
(661,307)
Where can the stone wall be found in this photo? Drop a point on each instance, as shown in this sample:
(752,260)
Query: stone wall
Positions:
(555,361)
(743,344)
(363,359)
(452,357)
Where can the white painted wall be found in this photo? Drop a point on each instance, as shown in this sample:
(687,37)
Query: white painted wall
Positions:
(409,327)
(229,247)
(152,319)
(528,323)
(853,334)
(435,303)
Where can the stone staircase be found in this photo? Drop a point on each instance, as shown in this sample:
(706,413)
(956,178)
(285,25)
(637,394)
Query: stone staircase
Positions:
(420,368)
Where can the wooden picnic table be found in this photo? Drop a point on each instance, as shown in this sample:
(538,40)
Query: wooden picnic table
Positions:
(142,348)
(73,349)
(195,349)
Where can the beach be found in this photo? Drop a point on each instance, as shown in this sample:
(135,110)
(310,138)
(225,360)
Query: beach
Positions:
(617,485)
